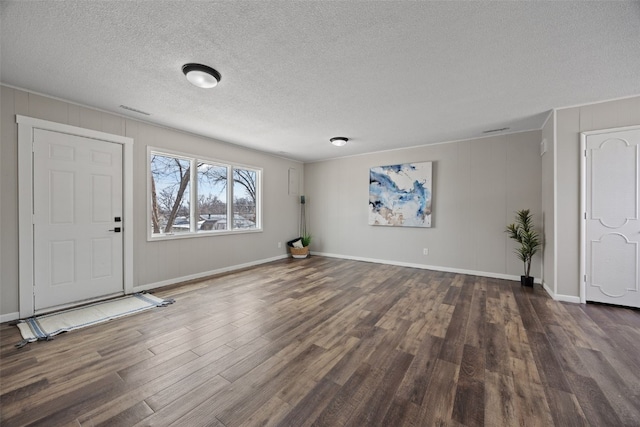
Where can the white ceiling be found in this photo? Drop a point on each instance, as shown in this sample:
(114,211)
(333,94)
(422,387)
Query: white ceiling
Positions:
(294,74)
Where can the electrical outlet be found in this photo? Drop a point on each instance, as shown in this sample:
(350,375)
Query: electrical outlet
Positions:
(279,245)
(425,251)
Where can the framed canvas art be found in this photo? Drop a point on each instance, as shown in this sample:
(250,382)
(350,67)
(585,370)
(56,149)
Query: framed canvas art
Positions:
(401,195)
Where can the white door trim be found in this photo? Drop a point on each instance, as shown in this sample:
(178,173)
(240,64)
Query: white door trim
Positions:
(583,202)
(26,126)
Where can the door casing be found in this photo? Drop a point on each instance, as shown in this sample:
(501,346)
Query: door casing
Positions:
(26,126)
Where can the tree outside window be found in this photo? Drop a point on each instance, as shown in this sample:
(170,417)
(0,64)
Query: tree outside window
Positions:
(170,193)
(244,198)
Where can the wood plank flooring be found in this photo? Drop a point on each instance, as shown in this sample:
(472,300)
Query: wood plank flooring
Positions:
(330,342)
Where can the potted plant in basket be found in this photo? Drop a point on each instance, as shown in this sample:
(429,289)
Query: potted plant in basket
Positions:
(522,231)
(299,247)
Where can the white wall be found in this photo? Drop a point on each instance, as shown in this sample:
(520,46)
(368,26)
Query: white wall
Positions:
(155,262)
(478,185)
(569,123)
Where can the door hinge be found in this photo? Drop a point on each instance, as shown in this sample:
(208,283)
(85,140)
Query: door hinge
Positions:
(585,215)
(585,277)
(586,153)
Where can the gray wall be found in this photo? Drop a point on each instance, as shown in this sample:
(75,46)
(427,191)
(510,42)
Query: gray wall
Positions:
(158,261)
(478,185)
(548,205)
(569,123)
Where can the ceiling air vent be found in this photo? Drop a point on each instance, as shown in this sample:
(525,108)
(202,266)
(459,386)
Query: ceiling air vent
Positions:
(495,130)
(134,110)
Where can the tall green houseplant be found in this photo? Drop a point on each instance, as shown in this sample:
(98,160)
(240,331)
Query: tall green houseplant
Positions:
(522,231)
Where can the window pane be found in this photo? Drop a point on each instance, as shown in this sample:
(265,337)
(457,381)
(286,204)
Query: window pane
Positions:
(244,198)
(170,191)
(212,197)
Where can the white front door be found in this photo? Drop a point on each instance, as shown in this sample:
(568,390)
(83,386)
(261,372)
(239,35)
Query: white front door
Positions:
(77,218)
(612,223)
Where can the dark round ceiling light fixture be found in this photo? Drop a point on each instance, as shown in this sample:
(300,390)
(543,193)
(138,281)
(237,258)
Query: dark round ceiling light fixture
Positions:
(201,75)
(339,141)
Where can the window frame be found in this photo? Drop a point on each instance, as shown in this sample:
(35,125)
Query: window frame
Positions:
(193,196)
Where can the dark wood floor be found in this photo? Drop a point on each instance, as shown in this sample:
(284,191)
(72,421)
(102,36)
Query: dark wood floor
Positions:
(329,342)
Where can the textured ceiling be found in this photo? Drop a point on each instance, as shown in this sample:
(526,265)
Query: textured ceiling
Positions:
(294,74)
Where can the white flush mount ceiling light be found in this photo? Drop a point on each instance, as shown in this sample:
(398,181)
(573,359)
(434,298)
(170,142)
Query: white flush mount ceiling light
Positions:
(201,75)
(339,141)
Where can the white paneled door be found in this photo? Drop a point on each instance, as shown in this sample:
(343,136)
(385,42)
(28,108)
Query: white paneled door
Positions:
(612,223)
(77,218)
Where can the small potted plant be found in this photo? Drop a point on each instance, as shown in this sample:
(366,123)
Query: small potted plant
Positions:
(522,231)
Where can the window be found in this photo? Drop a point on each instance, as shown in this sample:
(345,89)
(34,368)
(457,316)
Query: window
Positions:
(170,194)
(244,198)
(191,196)
(212,196)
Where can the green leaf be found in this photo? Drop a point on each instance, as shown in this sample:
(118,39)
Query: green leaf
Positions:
(522,231)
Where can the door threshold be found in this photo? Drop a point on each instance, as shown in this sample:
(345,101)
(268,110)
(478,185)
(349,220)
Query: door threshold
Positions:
(77,304)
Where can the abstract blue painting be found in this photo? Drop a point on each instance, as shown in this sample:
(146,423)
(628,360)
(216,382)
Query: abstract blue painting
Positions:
(400,195)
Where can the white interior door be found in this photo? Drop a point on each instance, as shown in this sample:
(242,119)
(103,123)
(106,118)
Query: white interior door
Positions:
(612,226)
(77,218)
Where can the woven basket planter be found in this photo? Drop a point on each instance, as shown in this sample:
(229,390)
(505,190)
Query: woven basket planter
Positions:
(299,252)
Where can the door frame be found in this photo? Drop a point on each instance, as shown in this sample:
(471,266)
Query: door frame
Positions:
(583,202)
(26,127)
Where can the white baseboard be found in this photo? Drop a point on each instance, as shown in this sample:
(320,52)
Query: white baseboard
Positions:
(557,297)
(548,290)
(428,267)
(204,274)
(9,317)
(566,298)
(560,297)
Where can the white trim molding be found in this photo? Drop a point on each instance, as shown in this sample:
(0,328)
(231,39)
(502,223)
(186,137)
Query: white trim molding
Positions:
(567,298)
(554,147)
(204,274)
(26,127)
(8,317)
(428,267)
(559,297)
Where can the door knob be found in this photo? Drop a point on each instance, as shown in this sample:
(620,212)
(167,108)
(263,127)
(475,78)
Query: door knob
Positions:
(116,230)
